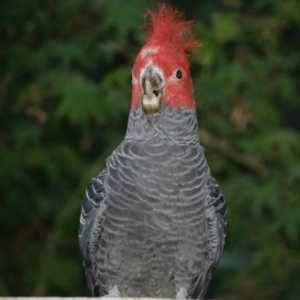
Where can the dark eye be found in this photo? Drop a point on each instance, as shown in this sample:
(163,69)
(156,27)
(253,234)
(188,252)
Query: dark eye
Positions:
(179,74)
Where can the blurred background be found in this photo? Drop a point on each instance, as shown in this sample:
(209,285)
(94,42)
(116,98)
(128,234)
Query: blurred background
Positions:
(65,89)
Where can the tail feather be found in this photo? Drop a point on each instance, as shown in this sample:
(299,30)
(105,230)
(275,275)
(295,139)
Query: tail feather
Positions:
(200,285)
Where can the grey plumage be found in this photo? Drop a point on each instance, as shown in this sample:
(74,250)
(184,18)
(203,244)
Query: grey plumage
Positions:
(153,221)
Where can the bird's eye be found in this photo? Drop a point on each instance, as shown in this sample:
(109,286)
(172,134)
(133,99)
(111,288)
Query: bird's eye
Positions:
(179,74)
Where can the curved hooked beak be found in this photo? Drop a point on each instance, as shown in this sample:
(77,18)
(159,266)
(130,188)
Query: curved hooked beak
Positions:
(153,88)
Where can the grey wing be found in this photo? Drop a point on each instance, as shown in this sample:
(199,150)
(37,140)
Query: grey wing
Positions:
(90,228)
(216,222)
(216,231)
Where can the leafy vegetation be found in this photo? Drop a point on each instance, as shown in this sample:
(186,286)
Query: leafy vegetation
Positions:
(64,100)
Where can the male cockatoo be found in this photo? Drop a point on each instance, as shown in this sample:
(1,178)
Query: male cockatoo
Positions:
(153,221)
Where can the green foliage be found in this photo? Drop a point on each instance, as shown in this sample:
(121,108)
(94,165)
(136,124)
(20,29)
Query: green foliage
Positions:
(64,101)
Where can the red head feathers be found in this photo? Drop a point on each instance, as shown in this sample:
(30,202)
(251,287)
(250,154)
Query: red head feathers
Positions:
(168,43)
(169,26)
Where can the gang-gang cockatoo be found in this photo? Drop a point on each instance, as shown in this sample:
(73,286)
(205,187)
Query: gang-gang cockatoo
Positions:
(153,221)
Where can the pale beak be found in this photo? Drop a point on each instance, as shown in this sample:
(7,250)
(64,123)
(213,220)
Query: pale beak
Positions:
(153,88)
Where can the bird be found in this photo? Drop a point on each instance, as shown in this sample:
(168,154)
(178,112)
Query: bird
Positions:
(153,222)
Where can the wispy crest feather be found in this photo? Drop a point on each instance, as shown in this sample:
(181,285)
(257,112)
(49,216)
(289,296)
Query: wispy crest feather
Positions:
(169,26)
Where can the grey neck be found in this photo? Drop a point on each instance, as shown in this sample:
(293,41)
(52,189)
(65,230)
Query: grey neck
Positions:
(173,125)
